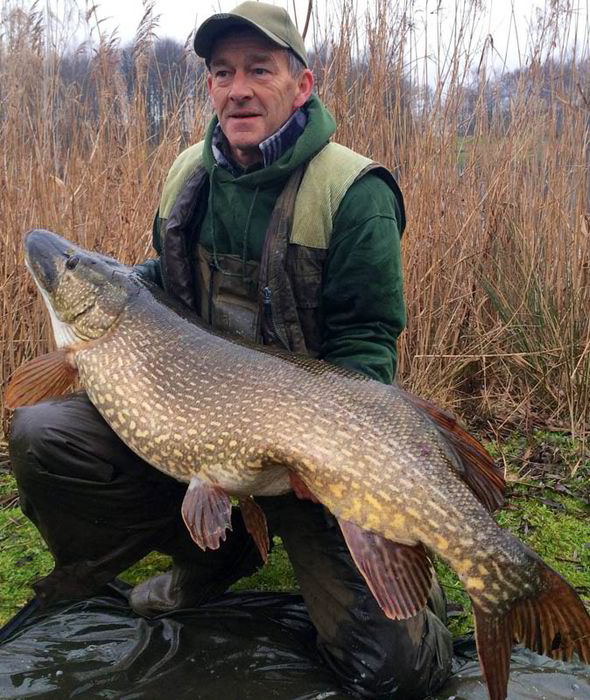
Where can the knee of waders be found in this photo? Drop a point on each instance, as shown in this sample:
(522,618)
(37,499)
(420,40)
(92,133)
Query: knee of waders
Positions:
(403,660)
(28,443)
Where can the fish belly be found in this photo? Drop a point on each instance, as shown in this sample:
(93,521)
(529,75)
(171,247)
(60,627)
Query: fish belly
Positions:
(245,481)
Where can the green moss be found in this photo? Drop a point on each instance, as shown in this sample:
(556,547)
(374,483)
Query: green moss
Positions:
(276,575)
(7,484)
(155,563)
(23,559)
(557,529)
(460,620)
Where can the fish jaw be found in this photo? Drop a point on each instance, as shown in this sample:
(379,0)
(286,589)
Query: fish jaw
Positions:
(45,256)
(40,262)
(63,333)
(85,293)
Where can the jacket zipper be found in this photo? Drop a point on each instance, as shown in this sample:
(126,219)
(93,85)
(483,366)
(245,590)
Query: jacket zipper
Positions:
(270,324)
(212,271)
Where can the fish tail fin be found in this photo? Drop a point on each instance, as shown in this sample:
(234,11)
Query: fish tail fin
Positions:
(553,622)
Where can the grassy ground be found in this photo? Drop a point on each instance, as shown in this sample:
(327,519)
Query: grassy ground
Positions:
(548,508)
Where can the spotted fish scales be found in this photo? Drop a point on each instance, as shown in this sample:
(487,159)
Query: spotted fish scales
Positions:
(229,418)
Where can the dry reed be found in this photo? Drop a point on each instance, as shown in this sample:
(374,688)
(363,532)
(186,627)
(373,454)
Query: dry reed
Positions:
(494,170)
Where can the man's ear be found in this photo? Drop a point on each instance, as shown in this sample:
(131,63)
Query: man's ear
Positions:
(304,88)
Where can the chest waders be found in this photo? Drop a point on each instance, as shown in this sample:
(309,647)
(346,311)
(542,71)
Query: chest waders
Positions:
(276,300)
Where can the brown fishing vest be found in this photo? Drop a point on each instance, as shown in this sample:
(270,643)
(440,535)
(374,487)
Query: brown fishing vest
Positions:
(274,301)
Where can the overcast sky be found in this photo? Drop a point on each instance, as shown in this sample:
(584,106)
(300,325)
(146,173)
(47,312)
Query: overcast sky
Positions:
(179,17)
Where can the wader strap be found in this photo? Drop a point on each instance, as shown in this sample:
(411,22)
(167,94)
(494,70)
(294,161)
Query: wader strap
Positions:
(176,258)
(279,323)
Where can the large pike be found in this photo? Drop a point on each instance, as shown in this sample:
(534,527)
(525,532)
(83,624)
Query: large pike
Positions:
(234,419)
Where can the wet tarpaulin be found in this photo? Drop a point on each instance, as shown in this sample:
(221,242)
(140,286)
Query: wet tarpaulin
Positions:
(240,646)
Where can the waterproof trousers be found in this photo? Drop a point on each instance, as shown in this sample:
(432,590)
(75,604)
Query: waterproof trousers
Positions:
(100,508)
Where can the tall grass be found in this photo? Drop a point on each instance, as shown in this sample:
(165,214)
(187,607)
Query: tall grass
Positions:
(494,171)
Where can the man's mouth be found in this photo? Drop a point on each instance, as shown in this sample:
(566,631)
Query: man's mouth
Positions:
(243,115)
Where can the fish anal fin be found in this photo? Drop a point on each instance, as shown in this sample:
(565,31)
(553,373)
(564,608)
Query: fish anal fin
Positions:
(206,511)
(43,377)
(480,472)
(300,489)
(398,575)
(255,522)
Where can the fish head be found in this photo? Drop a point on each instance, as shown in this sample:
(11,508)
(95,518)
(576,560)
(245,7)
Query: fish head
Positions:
(85,292)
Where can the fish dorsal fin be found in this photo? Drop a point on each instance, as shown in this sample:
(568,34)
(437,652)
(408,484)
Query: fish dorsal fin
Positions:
(41,378)
(398,575)
(479,471)
(206,511)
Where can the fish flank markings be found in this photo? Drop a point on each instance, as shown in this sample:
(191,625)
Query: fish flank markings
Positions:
(240,420)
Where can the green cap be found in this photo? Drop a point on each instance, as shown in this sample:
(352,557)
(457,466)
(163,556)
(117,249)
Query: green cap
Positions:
(271,21)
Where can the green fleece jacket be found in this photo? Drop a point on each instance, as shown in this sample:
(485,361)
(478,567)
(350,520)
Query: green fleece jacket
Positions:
(361,307)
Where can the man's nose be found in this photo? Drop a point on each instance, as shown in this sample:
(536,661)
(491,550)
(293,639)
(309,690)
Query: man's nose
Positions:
(240,87)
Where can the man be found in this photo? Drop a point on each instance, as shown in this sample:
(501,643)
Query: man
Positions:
(266,230)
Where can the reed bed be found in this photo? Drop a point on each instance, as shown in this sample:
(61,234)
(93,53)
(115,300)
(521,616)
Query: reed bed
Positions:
(494,168)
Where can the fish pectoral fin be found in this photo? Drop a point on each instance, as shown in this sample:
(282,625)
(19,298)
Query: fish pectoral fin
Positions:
(300,489)
(206,511)
(398,575)
(41,378)
(480,472)
(255,522)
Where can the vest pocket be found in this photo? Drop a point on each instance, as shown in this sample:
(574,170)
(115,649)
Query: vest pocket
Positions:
(229,299)
(304,267)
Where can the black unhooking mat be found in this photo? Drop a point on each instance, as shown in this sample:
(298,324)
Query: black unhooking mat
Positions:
(242,646)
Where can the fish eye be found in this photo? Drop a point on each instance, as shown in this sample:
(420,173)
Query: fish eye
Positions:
(72,262)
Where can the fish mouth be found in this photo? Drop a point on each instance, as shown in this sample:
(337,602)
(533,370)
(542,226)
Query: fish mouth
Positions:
(43,251)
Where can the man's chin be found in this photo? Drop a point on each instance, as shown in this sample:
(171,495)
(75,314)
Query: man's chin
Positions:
(244,139)
(245,149)
(245,144)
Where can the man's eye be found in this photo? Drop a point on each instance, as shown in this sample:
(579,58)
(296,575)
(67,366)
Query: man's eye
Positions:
(221,74)
(260,71)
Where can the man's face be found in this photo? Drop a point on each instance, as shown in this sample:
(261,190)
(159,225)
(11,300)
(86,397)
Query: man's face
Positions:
(252,91)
